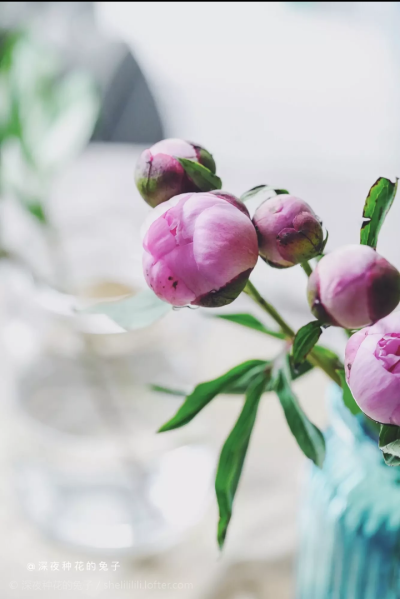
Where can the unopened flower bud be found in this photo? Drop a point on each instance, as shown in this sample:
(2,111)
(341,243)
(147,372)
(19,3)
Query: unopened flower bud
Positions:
(159,176)
(199,249)
(288,231)
(353,287)
(372,366)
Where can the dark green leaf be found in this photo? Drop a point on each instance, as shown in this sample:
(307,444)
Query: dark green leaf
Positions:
(201,176)
(248,320)
(348,398)
(261,189)
(310,439)
(304,341)
(205,392)
(239,387)
(233,455)
(296,373)
(389,443)
(376,208)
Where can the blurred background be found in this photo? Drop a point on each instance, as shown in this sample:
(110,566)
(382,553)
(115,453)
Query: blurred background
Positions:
(300,95)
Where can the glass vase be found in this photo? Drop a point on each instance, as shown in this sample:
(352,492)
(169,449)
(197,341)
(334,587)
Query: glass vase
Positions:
(350,517)
(88,467)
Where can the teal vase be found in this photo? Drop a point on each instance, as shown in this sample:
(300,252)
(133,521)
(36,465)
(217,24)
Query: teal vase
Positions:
(350,517)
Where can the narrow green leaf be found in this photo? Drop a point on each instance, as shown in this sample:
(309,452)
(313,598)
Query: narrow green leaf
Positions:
(377,205)
(348,398)
(389,443)
(205,392)
(310,439)
(201,176)
(261,189)
(250,321)
(239,387)
(304,341)
(168,390)
(135,312)
(233,455)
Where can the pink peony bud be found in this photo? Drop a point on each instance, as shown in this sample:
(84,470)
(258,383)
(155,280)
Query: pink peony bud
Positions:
(200,249)
(353,287)
(288,231)
(159,176)
(372,366)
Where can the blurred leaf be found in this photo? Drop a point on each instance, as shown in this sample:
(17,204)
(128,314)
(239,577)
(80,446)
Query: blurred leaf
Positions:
(377,205)
(348,398)
(135,312)
(37,211)
(250,321)
(389,443)
(260,189)
(310,439)
(205,392)
(168,390)
(233,455)
(201,176)
(328,354)
(304,341)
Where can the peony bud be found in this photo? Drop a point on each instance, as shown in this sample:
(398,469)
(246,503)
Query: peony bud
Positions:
(199,249)
(288,231)
(372,366)
(159,176)
(353,287)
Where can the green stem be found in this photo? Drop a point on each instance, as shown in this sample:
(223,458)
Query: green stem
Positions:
(306,267)
(267,307)
(324,364)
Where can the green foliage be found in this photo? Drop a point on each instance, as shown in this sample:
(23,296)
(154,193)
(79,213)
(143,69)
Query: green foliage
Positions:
(262,191)
(250,321)
(234,452)
(377,205)
(348,398)
(46,118)
(309,438)
(201,176)
(205,392)
(389,443)
(304,341)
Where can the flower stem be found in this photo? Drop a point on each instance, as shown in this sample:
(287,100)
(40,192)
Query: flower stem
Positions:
(324,364)
(306,267)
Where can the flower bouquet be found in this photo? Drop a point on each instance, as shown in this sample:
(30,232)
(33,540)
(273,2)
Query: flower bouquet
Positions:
(199,249)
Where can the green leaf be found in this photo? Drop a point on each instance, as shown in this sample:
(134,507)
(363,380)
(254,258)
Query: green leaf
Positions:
(348,398)
(310,439)
(389,443)
(168,390)
(201,176)
(233,455)
(304,341)
(250,321)
(237,388)
(135,312)
(37,211)
(260,189)
(205,392)
(377,205)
